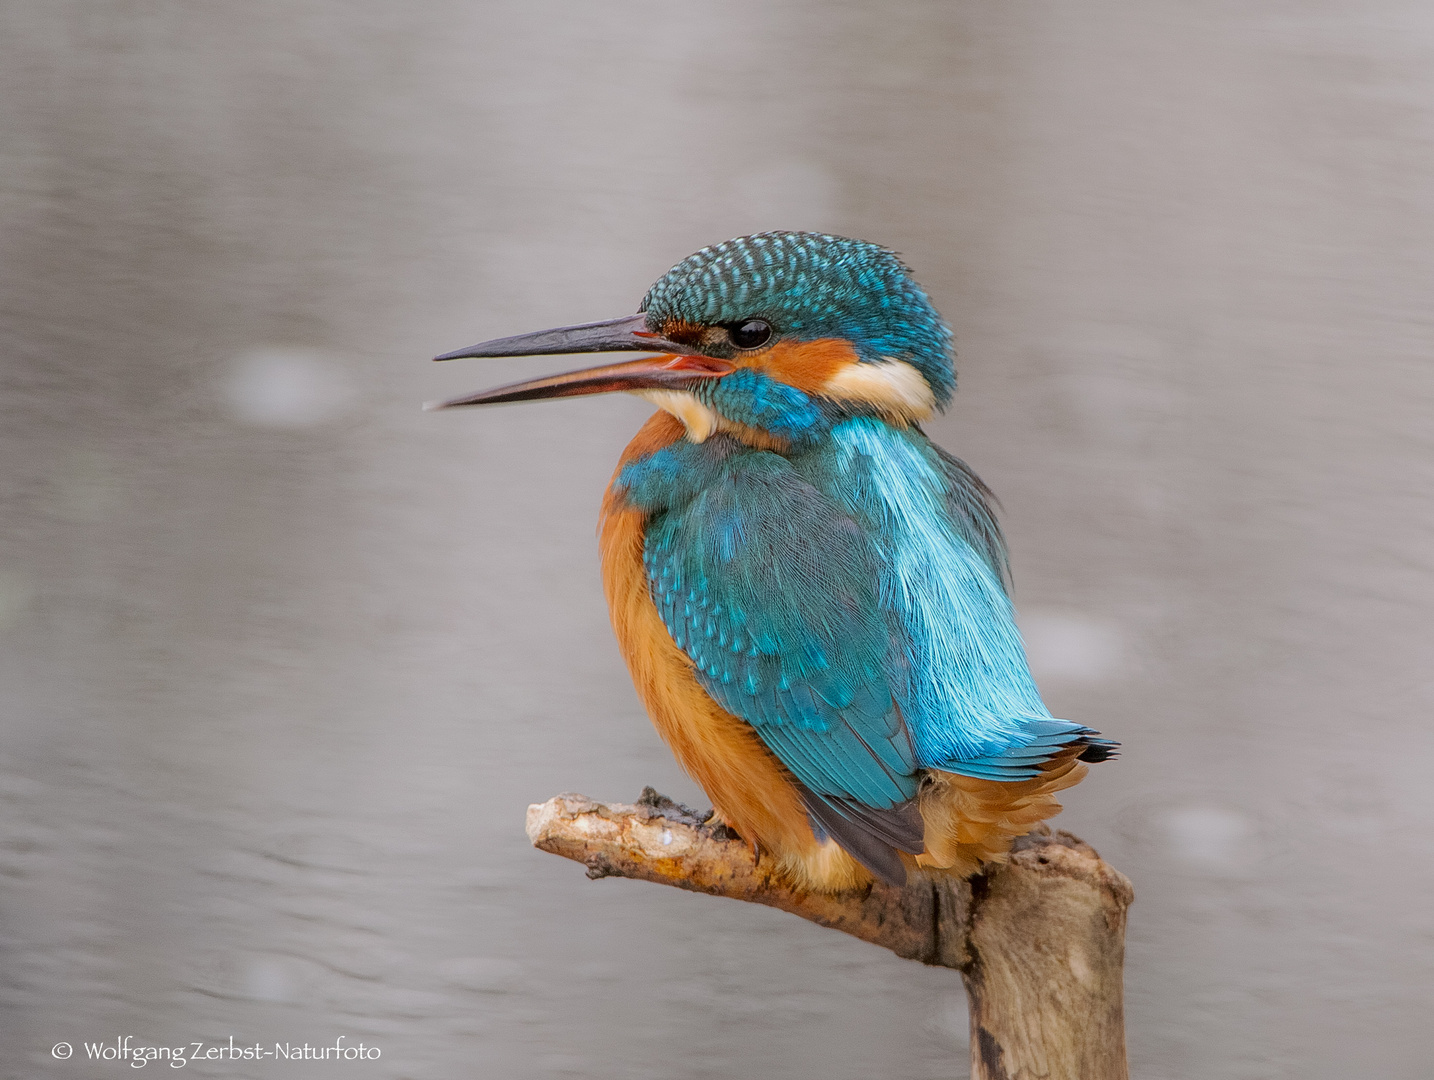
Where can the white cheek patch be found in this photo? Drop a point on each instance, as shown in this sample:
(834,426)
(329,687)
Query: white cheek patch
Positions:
(697,418)
(894,387)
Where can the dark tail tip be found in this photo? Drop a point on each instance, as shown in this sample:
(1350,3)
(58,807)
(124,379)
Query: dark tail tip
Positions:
(1099,750)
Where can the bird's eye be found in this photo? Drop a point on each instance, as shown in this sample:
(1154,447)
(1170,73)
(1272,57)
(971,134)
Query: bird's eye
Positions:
(750,334)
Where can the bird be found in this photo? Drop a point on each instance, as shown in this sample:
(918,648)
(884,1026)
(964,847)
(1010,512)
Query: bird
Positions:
(811,596)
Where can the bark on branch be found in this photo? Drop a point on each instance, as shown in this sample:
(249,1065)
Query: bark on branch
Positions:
(1039,941)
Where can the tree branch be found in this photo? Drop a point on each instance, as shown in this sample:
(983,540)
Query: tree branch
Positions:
(1039,941)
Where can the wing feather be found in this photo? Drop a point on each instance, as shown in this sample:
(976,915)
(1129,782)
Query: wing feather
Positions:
(761,559)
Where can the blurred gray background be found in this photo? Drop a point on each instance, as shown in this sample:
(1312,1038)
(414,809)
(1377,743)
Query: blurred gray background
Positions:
(285,659)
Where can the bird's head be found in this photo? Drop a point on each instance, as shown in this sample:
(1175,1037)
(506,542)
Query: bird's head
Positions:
(770,336)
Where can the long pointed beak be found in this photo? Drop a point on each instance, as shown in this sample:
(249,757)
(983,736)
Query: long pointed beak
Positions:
(628,334)
(675,370)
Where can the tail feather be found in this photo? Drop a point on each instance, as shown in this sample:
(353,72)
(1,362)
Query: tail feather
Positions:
(1052,740)
(1100,750)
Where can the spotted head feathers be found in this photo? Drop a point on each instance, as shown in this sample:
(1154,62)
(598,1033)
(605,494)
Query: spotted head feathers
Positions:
(809,287)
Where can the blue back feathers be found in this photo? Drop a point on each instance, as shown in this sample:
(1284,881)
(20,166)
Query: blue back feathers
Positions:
(811,286)
(969,692)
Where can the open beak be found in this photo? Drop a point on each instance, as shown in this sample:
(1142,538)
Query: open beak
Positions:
(676,369)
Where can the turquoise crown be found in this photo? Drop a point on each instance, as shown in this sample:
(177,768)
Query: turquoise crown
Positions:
(810,286)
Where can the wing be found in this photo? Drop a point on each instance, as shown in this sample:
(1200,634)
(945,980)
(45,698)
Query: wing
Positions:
(771,589)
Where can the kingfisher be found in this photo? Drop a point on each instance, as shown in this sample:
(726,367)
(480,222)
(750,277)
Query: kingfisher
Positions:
(811,596)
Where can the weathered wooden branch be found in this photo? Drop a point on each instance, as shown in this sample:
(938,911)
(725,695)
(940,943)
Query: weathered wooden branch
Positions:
(1039,941)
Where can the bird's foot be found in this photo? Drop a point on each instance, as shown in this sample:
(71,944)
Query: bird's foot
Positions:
(713,823)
